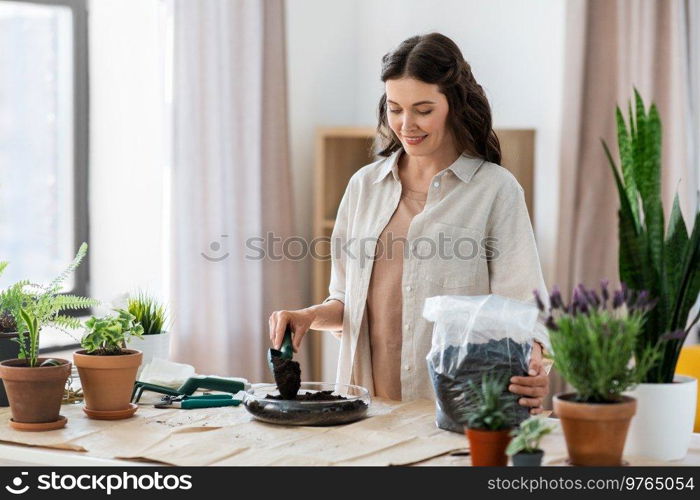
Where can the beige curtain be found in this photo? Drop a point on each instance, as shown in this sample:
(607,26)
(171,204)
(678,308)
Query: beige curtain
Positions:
(230,183)
(621,44)
(613,46)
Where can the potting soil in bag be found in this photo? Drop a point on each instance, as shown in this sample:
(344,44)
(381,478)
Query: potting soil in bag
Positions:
(473,336)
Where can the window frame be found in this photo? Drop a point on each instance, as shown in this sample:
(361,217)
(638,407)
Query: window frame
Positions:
(81,97)
(81,138)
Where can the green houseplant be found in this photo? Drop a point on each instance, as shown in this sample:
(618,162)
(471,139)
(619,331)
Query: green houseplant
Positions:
(667,263)
(107,369)
(594,339)
(524,449)
(488,426)
(153,316)
(35,385)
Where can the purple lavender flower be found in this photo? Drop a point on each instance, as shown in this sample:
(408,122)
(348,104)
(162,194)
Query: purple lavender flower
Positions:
(676,335)
(604,292)
(551,324)
(538,300)
(618,299)
(555,299)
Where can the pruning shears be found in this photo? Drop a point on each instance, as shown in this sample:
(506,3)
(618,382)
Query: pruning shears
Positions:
(185,402)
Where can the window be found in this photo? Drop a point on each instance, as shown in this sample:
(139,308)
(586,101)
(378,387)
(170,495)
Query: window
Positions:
(43,139)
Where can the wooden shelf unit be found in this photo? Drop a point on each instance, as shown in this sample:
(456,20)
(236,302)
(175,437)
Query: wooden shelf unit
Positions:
(340,152)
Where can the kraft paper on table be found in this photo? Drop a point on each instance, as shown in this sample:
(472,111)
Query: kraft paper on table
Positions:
(395,434)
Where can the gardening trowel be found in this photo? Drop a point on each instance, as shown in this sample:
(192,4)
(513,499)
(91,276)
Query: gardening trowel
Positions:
(287,372)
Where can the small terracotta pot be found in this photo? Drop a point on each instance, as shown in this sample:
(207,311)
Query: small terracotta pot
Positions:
(35,393)
(107,381)
(595,432)
(488,448)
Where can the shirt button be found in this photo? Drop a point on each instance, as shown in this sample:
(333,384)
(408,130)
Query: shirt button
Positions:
(407,367)
(408,288)
(407,326)
(436,184)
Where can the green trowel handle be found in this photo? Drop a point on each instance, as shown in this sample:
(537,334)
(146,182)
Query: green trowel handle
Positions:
(287,351)
(192,404)
(212,383)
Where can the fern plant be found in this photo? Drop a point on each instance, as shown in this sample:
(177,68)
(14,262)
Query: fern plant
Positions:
(32,304)
(149,312)
(666,263)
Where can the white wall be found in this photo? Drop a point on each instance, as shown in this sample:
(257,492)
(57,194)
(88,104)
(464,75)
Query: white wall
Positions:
(126,147)
(334,51)
(516,52)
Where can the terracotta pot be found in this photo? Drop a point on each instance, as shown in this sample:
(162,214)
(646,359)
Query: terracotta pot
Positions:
(35,393)
(595,432)
(9,349)
(488,448)
(107,381)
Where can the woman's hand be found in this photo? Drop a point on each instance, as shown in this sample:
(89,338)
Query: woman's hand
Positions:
(535,386)
(299,321)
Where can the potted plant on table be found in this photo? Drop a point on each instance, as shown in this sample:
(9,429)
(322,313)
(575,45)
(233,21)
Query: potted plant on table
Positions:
(594,340)
(35,385)
(153,317)
(667,263)
(524,449)
(107,369)
(488,428)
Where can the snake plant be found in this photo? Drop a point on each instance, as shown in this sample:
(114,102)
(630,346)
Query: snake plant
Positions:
(664,262)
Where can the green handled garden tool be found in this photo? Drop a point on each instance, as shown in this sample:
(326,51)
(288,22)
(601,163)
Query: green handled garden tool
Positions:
(287,372)
(194,402)
(286,351)
(210,382)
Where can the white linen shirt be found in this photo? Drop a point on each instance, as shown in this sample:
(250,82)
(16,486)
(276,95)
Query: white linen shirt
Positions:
(473,202)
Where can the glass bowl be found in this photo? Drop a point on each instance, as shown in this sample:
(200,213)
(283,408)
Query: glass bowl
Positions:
(315,413)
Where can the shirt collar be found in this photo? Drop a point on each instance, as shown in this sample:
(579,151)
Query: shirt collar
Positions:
(464,167)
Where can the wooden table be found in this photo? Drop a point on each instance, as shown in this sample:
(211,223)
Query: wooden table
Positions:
(395,433)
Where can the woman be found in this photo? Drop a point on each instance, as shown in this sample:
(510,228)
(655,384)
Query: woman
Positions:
(436,216)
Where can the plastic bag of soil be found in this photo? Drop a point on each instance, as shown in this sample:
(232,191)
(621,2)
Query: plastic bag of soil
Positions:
(472,336)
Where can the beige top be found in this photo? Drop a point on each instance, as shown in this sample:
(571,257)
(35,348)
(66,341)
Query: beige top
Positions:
(384,297)
(473,237)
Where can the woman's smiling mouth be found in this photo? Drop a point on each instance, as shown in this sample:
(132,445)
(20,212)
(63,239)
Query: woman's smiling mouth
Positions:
(413,140)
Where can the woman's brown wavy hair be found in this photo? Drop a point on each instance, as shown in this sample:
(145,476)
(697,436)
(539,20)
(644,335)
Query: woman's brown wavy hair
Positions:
(434,58)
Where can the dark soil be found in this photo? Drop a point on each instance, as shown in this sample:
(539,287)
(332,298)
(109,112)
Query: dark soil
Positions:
(504,358)
(312,396)
(287,376)
(332,409)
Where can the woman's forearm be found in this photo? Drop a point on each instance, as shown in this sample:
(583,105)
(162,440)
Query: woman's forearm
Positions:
(327,316)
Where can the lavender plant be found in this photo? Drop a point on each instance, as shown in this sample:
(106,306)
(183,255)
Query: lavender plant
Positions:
(595,340)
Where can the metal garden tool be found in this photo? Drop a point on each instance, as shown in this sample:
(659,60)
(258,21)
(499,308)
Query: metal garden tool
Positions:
(194,402)
(287,372)
(213,383)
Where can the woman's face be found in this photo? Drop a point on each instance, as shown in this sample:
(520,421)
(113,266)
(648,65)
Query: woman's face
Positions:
(417,113)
